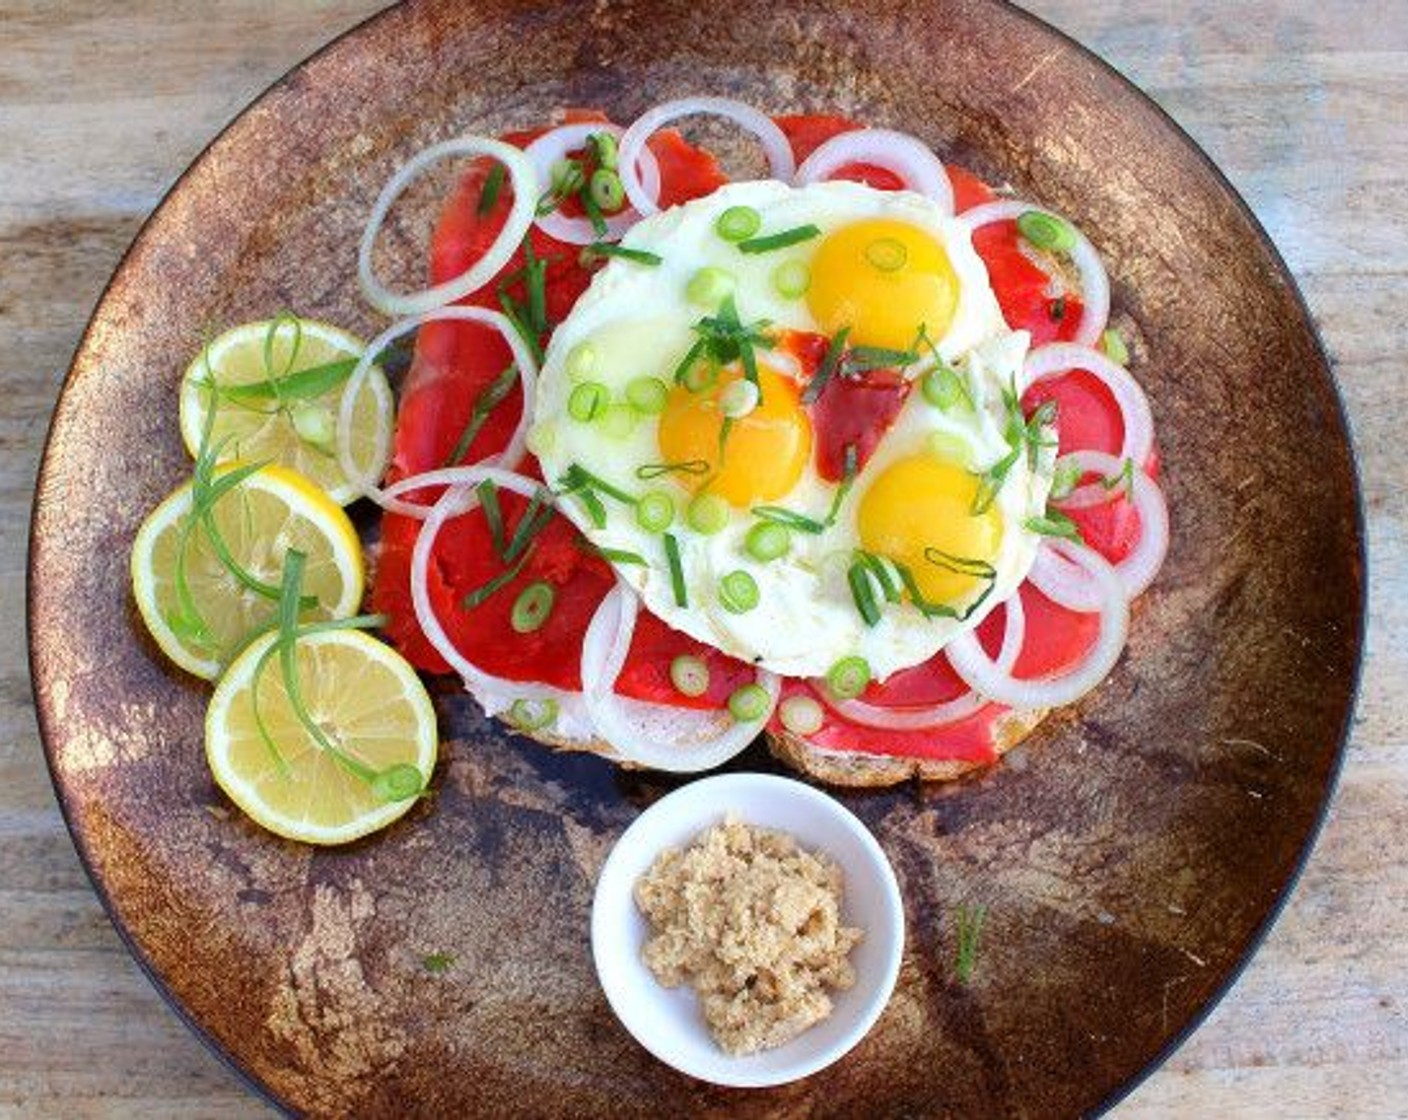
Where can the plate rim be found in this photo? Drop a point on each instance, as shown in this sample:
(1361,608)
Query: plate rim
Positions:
(1244,953)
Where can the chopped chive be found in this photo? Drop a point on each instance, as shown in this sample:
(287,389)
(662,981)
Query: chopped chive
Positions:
(849,470)
(963,565)
(535,273)
(864,595)
(514,314)
(532,607)
(604,148)
(587,401)
(1064,479)
(767,541)
(829,365)
(565,177)
(594,507)
(618,555)
(738,592)
(672,557)
(887,254)
(489,502)
(1124,478)
(578,477)
(1054,524)
(647,395)
(791,279)
(493,395)
(635,256)
(655,511)
(688,364)
(779,240)
(1046,231)
(489,193)
(649,471)
(880,570)
(779,515)
(593,212)
(748,703)
(862,359)
(534,520)
(991,480)
(848,677)
(968,922)
(738,223)
(689,675)
(483,592)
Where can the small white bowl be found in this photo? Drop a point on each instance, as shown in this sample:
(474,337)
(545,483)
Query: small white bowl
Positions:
(668,1021)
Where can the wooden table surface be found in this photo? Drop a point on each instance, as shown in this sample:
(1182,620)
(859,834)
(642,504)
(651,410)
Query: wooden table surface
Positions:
(102,105)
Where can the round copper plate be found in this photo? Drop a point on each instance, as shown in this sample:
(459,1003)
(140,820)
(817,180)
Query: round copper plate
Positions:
(1129,857)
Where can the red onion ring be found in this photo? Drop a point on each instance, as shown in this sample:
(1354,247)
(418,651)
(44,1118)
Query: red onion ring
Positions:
(971,662)
(554,145)
(1057,358)
(678,740)
(950,711)
(774,141)
(364,485)
(520,217)
(904,155)
(1066,583)
(1094,281)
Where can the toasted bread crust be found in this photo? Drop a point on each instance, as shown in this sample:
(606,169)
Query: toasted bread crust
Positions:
(851,768)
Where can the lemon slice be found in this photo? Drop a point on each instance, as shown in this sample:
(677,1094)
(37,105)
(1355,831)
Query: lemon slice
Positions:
(259,520)
(368,702)
(278,400)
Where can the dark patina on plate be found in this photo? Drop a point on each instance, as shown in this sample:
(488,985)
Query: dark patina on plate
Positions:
(1130,856)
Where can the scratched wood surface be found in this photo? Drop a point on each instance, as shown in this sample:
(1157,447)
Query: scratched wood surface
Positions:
(102,105)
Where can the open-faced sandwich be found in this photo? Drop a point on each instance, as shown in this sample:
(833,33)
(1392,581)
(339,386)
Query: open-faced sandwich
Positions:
(848,456)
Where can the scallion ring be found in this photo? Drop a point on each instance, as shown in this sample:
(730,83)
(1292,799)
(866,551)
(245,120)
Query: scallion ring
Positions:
(655,511)
(848,677)
(767,541)
(700,377)
(738,223)
(748,703)
(1114,346)
(619,421)
(581,361)
(887,254)
(707,514)
(532,607)
(689,675)
(1046,231)
(738,592)
(710,286)
(791,279)
(587,401)
(647,395)
(606,190)
(532,713)
(801,715)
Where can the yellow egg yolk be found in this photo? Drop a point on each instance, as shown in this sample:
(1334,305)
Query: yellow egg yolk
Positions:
(922,503)
(765,452)
(884,280)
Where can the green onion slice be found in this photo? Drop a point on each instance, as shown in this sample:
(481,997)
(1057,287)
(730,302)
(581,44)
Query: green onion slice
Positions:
(767,541)
(532,713)
(532,607)
(791,279)
(587,401)
(748,703)
(1046,231)
(738,223)
(887,254)
(647,395)
(801,715)
(738,592)
(710,286)
(655,511)
(707,514)
(606,190)
(848,677)
(689,675)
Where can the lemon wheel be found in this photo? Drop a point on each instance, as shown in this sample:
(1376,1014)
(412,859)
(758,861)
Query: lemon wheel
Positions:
(369,704)
(277,388)
(197,609)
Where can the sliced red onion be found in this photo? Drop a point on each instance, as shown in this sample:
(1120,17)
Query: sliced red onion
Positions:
(633,142)
(909,158)
(971,662)
(457,500)
(1094,282)
(363,484)
(1014,630)
(520,217)
(679,740)
(555,144)
(1057,358)
(1068,584)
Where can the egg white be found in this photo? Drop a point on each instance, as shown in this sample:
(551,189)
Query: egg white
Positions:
(637,320)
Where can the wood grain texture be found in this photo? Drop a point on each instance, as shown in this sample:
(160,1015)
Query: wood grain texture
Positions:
(102,105)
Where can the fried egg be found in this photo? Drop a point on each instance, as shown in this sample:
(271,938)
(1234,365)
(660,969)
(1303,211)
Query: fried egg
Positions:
(655,428)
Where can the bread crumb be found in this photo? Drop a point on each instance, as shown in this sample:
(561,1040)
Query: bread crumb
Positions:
(753,922)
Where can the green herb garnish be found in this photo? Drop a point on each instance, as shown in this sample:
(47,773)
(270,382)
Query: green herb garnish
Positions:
(779,240)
